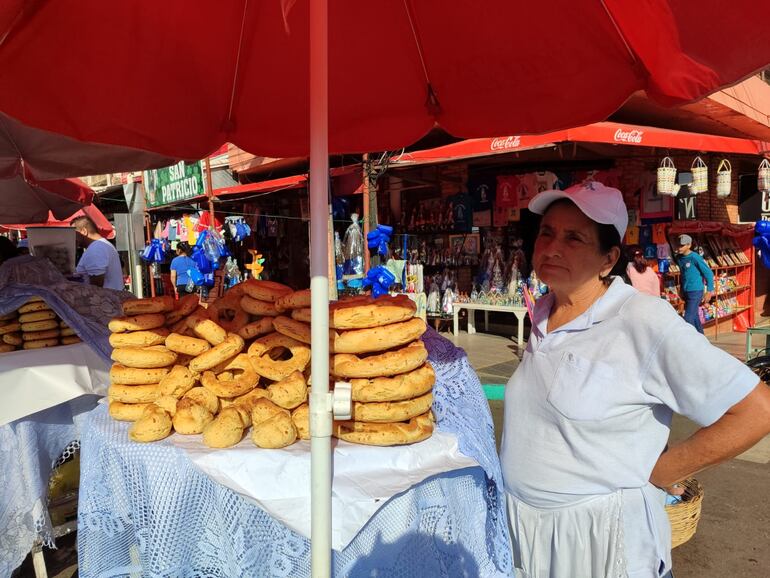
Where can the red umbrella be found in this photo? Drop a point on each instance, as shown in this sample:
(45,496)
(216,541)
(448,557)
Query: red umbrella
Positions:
(25,200)
(104,226)
(254,73)
(238,71)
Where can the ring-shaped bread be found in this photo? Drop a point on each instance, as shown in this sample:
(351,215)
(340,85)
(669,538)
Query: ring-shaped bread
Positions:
(379,338)
(294,300)
(396,388)
(362,314)
(385,364)
(241,378)
(278,369)
(263,290)
(415,430)
(230,347)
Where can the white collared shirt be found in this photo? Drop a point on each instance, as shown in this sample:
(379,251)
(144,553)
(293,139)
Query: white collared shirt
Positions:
(588,410)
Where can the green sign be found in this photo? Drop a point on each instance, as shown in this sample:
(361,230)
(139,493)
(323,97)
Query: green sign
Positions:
(172,184)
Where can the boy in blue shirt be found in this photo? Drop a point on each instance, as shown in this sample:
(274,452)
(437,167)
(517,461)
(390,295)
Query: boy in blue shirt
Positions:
(694,272)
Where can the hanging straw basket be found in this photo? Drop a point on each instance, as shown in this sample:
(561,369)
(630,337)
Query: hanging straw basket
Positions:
(685,515)
(667,178)
(700,176)
(763,176)
(724,179)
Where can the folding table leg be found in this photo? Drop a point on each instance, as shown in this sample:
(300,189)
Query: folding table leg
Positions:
(471,321)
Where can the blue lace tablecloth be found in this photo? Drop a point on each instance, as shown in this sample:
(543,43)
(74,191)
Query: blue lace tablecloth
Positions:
(29,447)
(144,509)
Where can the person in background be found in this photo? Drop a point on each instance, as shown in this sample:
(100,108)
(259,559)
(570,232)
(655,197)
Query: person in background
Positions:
(23,247)
(180,267)
(588,410)
(100,262)
(694,272)
(642,277)
(7,249)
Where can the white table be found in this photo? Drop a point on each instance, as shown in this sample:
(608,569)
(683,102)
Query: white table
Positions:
(519,312)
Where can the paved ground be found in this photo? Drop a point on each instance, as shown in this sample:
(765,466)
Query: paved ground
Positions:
(734,531)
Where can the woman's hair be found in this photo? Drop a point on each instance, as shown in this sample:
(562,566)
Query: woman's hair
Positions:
(638,260)
(184,248)
(609,237)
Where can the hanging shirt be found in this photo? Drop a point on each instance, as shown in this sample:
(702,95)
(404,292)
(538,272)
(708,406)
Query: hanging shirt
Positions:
(462,212)
(482,189)
(588,411)
(101,258)
(659,234)
(632,235)
(507,192)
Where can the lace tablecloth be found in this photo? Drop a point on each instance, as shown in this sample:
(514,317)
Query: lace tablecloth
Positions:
(29,447)
(146,510)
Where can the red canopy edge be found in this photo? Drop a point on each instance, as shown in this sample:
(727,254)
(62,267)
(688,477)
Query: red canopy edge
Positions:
(293,182)
(726,229)
(600,132)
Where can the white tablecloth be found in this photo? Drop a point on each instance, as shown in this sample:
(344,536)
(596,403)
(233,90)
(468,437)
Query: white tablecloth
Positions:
(31,381)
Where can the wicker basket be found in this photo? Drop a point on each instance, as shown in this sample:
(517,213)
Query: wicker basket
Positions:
(724,179)
(700,177)
(667,178)
(684,516)
(763,176)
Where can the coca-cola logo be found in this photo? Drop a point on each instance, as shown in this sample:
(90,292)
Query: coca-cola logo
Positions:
(504,143)
(630,136)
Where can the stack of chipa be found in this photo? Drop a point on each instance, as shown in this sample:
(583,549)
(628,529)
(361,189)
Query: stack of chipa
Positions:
(377,348)
(34,326)
(183,368)
(244,361)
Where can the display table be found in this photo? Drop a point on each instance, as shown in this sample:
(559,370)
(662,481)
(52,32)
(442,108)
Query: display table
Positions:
(519,312)
(146,509)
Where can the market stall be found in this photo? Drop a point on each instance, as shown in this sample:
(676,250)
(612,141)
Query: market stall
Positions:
(48,387)
(158,509)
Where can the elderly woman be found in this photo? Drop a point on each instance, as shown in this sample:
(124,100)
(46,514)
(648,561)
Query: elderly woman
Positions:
(588,411)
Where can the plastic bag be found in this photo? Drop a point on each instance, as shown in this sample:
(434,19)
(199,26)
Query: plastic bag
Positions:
(353,249)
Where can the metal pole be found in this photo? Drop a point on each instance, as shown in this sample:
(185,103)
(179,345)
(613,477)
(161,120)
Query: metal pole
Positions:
(320,405)
(365,194)
(210,191)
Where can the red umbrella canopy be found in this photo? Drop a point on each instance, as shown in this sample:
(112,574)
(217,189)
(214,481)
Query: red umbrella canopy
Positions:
(29,201)
(238,71)
(104,226)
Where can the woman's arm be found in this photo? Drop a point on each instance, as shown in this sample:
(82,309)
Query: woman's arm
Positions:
(173,279)
(744,424)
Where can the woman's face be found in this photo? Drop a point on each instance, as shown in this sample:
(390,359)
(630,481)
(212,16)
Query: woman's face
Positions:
(567,254)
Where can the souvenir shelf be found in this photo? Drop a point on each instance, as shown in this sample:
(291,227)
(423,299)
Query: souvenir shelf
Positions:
(732,263)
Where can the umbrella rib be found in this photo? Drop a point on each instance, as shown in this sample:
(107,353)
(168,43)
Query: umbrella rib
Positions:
(237,62)
(417,41)
(11,140)
(618,30)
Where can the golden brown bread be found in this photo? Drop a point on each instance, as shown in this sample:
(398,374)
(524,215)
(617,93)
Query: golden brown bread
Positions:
(385,434)
(294,300)
(153,425)
(133,393)
(177,382)
(278,369)
(256,307)
(186,345)
(385,364)
(379,338)
(148,305)
(237,378)
(134,376)
(289,392)
(263,290)
(144,357)
(358,314)
(391,411)
(139,338)
(121,411)
(231,346)
(396,388)
(137,322)
(256,328)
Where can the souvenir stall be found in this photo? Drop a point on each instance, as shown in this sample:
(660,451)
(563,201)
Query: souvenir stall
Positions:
(462,206)
(54,365)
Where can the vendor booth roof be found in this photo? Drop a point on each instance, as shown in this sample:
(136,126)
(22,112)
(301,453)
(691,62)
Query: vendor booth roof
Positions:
(601,132)
(106,229)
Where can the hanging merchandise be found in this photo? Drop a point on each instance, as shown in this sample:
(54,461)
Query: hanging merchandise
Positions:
(233,274)
(667,178)
(256,266)
(762,241)
(724,179)
(379,239)
(700,177)
(763,176)
(155,252)
(339,261)
(353,252)
(379,279)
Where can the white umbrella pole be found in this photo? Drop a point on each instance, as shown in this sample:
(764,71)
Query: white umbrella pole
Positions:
(320,404)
